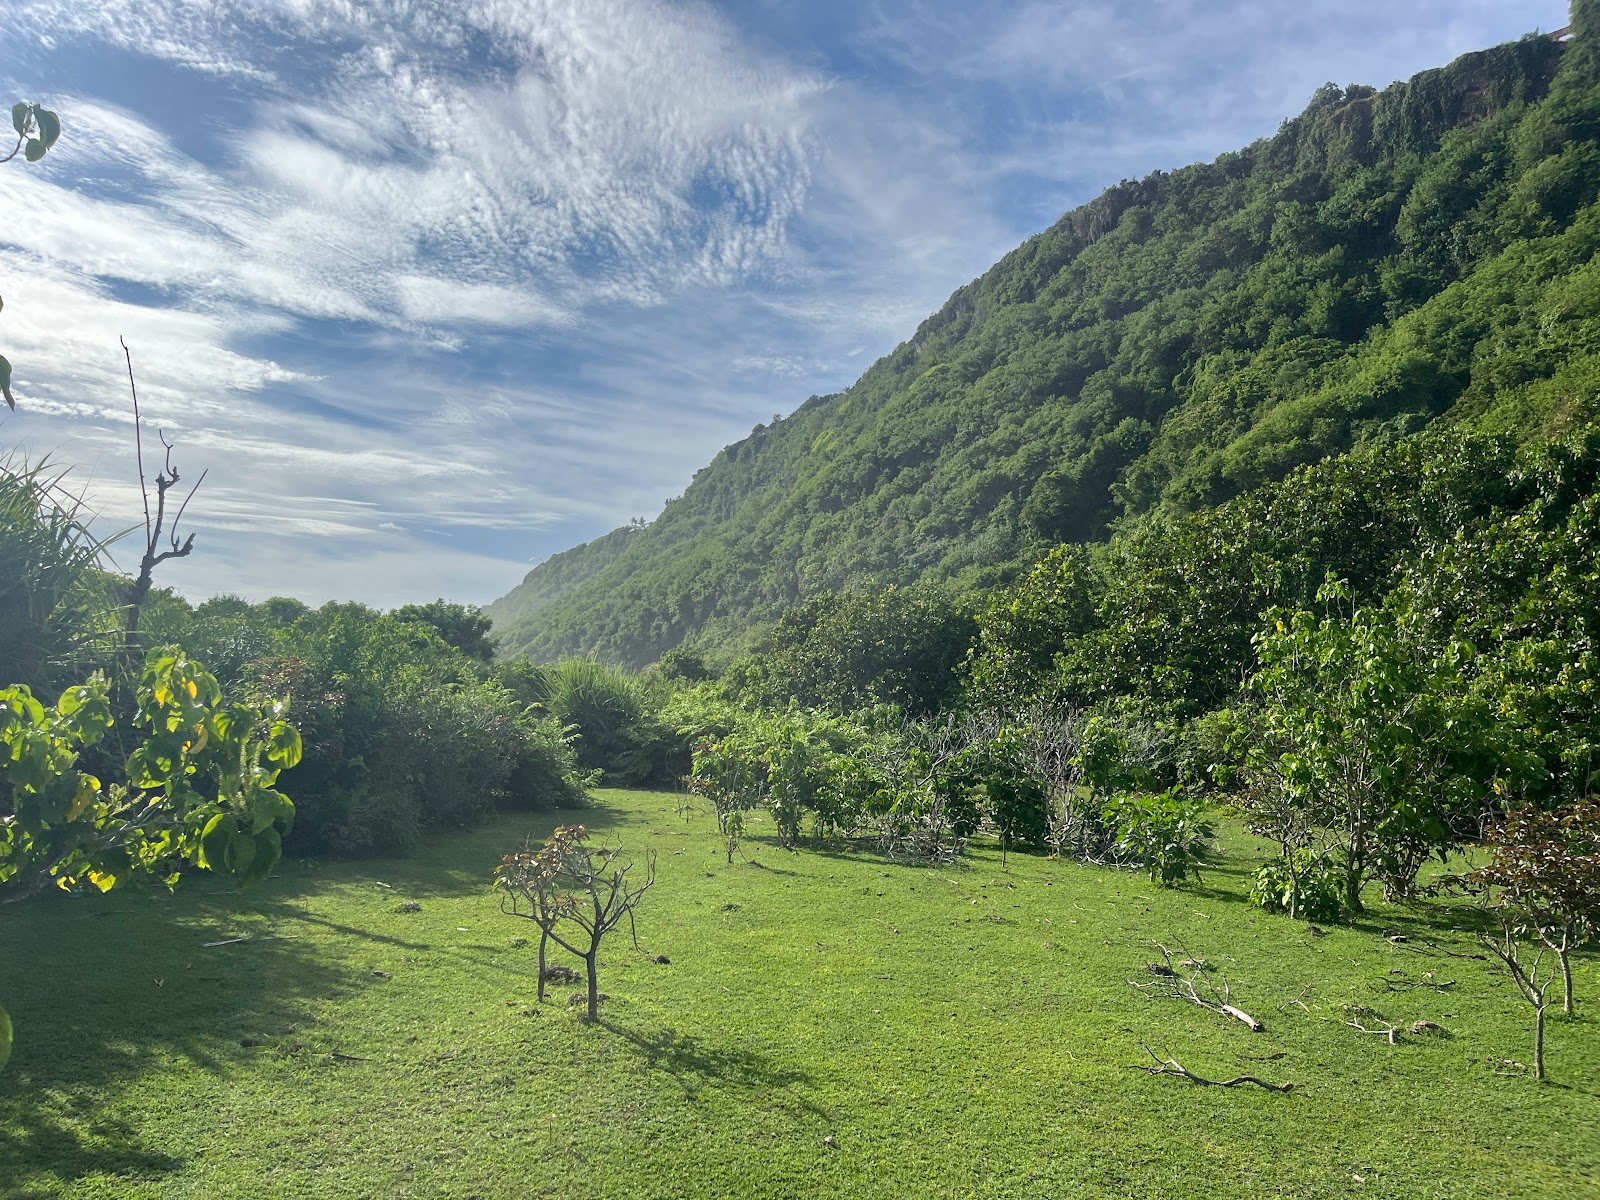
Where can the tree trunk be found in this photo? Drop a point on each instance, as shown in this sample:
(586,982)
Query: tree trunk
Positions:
(1566,978)
(594,985)
(543,938)
(1538,1041)
(1353,881)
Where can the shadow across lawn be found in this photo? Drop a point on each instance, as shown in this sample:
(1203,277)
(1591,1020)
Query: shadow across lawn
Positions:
(101,990)
(696,1064)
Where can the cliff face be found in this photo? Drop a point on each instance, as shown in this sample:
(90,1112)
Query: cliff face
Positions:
(1387,259)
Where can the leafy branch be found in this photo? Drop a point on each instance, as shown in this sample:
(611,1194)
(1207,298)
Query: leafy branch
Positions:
(37,130)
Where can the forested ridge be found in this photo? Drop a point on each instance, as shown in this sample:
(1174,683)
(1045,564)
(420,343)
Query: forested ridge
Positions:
(1388,260)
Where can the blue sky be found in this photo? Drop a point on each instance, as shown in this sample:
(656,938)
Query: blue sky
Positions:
(437,288)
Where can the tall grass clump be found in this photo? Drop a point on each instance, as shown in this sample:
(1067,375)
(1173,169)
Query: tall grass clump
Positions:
(57,605)
(614,714)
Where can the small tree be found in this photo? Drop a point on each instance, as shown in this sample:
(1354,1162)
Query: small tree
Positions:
(1534,986)
(576,894)
(1366,740)
(1544,879)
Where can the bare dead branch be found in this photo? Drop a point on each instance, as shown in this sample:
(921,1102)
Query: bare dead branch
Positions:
(1171,1066)
(1191,982)
(1392,1032)
(154,524)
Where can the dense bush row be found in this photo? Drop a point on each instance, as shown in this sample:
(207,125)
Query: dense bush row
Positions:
(1369,659)
(404,726)
(404,729)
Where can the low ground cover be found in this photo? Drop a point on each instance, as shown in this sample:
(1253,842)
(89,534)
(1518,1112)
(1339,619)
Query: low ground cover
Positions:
(827,1023)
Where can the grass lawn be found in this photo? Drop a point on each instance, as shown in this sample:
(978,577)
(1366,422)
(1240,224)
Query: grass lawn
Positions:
(963,1031)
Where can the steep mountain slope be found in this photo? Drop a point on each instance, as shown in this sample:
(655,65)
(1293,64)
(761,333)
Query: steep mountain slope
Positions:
(1387,259)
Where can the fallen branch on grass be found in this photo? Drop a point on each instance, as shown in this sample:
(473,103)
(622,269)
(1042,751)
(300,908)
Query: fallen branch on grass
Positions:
(1171,1066)
(1392,1032)
(1427,981)
(1435,948)
(1194,987)
(270,937)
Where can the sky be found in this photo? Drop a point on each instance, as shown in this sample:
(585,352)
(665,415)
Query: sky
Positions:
(434,289)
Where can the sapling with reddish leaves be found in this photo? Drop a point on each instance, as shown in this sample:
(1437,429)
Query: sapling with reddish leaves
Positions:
(1543,875)
(576,894)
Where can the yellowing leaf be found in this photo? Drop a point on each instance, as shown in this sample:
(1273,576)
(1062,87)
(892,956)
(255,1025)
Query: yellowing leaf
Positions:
(88,788)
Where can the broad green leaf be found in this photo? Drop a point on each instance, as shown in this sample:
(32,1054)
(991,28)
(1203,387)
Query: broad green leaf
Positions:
(34,150)
(283,744)
(240,854)
(268,849)
(5,1038)
(214,841)
(49,125)
(19,117)
(142,772)
(5,383)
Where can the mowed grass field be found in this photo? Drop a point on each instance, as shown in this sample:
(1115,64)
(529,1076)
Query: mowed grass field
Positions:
(828,1025)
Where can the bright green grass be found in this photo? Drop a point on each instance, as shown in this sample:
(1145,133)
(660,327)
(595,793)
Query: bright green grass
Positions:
(957,1032)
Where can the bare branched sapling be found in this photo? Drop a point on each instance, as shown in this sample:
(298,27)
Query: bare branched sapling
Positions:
(1533,978)
(576,894)
(155,524)
(1544,873)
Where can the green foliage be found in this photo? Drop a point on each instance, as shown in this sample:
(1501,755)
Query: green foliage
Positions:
(199,789)
(1306,885)
(402,732)
(791,765)
(57,607)
(613,716)
(848,651)
(460,625)
(1164,832)
(37,129)
(1378,743)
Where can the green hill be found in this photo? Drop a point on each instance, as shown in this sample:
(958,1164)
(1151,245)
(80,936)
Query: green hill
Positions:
(1388,259)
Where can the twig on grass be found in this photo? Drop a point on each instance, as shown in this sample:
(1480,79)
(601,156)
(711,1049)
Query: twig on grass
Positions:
(1194,987)
(1435,948)
(1427,981)
(269,937)
(1392,1032)
(1171,1066)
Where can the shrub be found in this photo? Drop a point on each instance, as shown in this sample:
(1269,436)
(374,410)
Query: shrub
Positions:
(1165,832)
(613,713)
(1306,885)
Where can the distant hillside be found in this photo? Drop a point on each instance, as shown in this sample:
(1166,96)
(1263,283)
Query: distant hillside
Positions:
(1386,260)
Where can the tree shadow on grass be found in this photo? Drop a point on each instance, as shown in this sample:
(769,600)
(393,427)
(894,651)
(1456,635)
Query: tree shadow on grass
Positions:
(103,991)
(696,1064)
